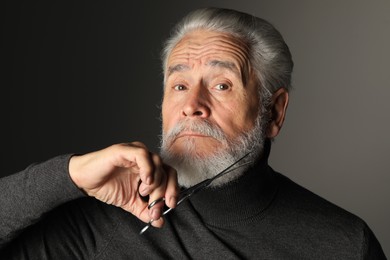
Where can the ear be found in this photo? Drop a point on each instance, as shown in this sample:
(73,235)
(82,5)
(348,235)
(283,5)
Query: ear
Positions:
(278,109)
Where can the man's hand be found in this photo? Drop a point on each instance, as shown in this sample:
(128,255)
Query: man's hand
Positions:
(115,175)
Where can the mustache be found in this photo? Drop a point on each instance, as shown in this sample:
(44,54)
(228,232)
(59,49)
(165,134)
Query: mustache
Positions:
(203,127)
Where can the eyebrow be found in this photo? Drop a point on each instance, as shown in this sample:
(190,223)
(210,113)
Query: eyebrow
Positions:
(213,63)
(230,66)
(224,64)
(177,68)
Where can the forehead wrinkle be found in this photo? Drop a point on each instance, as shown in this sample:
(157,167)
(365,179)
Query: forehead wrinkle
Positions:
(238,62)
(189,48)
(228,42)
(219,45)
(221,41)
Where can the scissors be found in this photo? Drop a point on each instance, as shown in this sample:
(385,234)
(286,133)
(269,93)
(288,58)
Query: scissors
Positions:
(187,193)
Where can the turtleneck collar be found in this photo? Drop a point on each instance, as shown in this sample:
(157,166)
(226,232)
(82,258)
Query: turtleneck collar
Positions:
(239,200)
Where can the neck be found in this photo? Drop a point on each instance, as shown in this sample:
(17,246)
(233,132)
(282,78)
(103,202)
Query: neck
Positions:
(238,200)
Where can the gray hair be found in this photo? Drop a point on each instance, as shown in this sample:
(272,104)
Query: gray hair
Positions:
(270,56)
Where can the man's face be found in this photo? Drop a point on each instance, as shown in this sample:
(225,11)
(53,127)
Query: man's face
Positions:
(208,80)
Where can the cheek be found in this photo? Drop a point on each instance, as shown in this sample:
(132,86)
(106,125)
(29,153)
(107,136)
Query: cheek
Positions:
(229,118)
(250,108)
(164,115)
(237,117)
(168,112)
(250,115)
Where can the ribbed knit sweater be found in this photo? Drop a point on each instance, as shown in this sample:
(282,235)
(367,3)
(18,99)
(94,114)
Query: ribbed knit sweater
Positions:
(262,215)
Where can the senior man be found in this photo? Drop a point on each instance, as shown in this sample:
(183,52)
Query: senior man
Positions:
(227,76)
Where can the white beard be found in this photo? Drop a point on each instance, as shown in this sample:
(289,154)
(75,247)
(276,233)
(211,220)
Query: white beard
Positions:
(193,168)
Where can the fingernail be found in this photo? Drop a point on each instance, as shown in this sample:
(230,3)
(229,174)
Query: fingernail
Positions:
(149,180)
(144,191)
(156,213)
(173,201)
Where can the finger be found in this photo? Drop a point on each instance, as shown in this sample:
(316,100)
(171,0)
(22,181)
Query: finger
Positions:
(150,167)
(158,223)
(156,208)
(139,144)
(136,154)
(139,209)
(157,195)
(144,215)
(159,177)
(142,192)
(159,171)
(156,203)
(172,190)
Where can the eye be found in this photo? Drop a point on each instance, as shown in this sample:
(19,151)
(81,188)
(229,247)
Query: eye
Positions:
(222,87)
(179,87)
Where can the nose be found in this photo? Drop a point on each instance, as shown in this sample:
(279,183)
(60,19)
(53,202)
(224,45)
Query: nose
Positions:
(196,103)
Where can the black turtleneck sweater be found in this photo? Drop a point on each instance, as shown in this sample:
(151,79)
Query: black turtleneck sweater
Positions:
(262,215)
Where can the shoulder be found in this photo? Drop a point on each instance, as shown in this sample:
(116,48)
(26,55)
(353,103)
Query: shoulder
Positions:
(320,224)
(296,198)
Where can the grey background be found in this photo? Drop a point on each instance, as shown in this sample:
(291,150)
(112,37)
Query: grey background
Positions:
(79,76)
